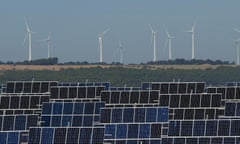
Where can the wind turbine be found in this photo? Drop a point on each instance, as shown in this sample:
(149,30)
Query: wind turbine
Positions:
(121,52)
(29,35)
(100,44)
(154,43)
(192,31)
(238,47)
(169,42)
(48,40)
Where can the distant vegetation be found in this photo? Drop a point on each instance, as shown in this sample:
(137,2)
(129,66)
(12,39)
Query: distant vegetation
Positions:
(190,62)
(119,76)
(49,61)
(54,61)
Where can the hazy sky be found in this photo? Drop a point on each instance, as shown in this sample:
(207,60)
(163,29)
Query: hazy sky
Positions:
(75,25)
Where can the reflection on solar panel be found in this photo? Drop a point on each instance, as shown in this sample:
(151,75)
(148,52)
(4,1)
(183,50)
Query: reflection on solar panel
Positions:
(47,112)
(62,114)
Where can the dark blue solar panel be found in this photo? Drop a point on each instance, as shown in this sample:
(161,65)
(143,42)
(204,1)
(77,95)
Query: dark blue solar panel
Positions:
(109,131)
(133,130)
(116,115)
(73,135)
(3,137)
(13,137)
(78,108)
(128,115)
(162,114)
(85,135)
(47,136)
(121,131)
(20,123)
(68,108)
(34,136)
(211,128)
(89,108)
(8,123)
(59,135)
(98,135)
(151,115)
(139,115)
(144,131)
(56,121)
(174,128)
(88,121)
(66,121)
(47,108)
(77,121)
(199,127)
(45,120)
(57,108)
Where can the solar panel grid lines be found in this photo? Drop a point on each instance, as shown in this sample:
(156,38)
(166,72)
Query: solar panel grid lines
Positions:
(177,87)
(130,97)
(29,86)
(73,135)
(69,92)
(78,113)
(27,101)
(176,112)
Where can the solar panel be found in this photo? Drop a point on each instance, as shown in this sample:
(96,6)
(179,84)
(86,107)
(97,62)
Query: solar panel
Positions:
(157,112)
(60,114)
(69,135)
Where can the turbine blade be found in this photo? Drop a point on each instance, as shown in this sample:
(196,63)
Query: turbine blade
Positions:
(168,35)
(25,38)
(236,29)
(151,28)
(26,24)
(106,31)
(165,45)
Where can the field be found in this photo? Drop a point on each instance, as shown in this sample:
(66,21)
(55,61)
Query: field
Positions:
(6,67)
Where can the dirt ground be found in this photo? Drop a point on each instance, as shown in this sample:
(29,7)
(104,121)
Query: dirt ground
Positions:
(150,67)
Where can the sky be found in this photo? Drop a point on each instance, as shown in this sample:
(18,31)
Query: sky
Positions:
(76,24)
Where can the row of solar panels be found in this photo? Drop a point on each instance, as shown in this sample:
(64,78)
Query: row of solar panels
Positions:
(95,113)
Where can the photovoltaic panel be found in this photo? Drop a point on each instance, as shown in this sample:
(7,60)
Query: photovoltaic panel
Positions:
(70,135)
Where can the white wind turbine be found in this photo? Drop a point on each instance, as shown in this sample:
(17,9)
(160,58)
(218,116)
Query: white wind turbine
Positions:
(154,43)
(121,52)
(238,45)
(192,31)
(48,40)
(100,44)
(169,43)
(29,35)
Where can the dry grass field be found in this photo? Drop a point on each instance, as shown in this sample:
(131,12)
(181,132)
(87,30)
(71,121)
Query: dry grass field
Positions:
(150,67)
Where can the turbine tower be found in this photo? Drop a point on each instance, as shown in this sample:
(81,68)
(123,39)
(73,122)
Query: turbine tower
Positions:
(169,42)
(48,43)
(121,52)
(48,40)
(154,43)
(100,44)
(29,35)
(192,31)
(238,47)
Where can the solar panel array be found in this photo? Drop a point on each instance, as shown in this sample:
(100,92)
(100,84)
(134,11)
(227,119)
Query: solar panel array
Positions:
(48,112)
